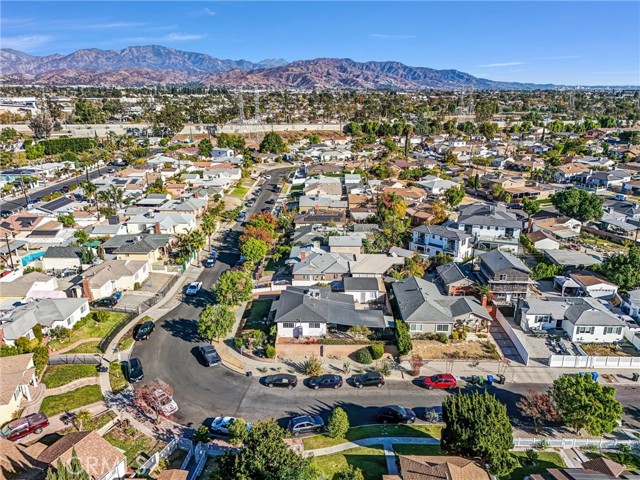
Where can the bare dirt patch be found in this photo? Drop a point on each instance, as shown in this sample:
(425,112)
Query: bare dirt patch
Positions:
(609,350)
(464,349)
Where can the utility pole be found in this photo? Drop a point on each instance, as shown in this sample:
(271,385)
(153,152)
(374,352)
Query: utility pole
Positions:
(6,239)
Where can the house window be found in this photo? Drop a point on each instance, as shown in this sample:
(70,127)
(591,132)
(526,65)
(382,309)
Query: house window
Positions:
(442,328)
(502,278)
(84,308)
(588,330)
(69,321)
(415,327)
(614,330)
(288,325)
(543,318)
(314,325)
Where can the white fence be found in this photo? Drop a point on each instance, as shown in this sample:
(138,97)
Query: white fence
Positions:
(270,288)
(570,361)
(148,466)
(633,336)
(567,443)
(504,323)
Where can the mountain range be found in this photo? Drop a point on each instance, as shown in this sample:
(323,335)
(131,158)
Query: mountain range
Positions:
(157,65)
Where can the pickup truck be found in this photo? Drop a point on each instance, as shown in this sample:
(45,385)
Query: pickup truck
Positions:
(22,427)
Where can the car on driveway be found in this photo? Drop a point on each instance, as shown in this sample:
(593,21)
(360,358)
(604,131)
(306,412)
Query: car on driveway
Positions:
(164,403)
(142,331)
(395,414)
(21,427)
(441,380)
(193,288)
(220,425)
(105,302)
(209,355)
(133,370)
(209,262)
(325,381)
(281,380)
(305,424)
(369,379)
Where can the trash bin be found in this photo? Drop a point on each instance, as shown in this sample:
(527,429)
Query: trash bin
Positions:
(490,379)
(594,375)
(635,377)
(474,379)
(249,374)
(501,379)
(480,380)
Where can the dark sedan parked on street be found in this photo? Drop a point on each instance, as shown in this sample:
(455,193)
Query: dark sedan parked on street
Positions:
(142,331)
(369,379)
(209,355)
(281,380)
(325,381)
(395,414)
(133,370)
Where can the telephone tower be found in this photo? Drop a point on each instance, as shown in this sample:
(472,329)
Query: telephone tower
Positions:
(256,106)
(241,118)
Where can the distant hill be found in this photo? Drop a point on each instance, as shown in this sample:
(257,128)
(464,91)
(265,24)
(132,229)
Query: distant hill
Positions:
(157,65)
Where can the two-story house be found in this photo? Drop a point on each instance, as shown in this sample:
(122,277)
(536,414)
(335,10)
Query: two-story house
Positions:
(492,226)
(506,275)
(433,239)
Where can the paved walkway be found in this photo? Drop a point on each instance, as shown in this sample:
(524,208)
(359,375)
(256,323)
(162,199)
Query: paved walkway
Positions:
(74,345)
(367,442)
(81,382)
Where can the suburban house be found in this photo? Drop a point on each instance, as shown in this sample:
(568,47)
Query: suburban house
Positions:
(99,231)
(506,275)
(308,312)
(141,247)
(563,228)
(542,240)
(320,217)
(631,303)
(321,202)
(433,239)
(100,459)
(584,319)
(586,284)
(323,186)
(456,278)
(62,258)
(599,468)
(48,312)
(605,180)
(419,467)
(570,259)
(350,243)
(167,223)
(29,285)
(436,185)
(365,289)
(420,304)
(108,277)
(492,226)
(570,172)
(18,374)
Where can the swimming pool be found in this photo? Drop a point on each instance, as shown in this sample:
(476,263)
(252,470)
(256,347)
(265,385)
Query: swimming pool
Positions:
(32,257)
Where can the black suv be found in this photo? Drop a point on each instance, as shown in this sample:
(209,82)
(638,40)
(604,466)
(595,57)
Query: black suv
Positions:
(105,302)
(325,381)
(395,414)
(369,379)
(142,331)
(305,424)
(133,369)
(281,380)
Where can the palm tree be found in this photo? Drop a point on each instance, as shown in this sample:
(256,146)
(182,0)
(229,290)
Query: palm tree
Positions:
(209,225)
(105,197)
(90,190)
(117,195)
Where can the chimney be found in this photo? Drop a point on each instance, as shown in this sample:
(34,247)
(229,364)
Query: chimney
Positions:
(157,228)
(195,195)
(303,255)
(86,289)
(483,301)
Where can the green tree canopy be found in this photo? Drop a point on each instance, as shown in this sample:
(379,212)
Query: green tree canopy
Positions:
(585,404)
(254,250)
(67,220)
(273,143)
(477,425)
(205,147)
(338,423)
(623,269)
(454,196)
(215,321)
(233,288)
(579,204)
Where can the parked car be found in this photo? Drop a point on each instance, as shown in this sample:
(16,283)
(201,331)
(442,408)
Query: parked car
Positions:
(209,262)
(395,414)
(325,381)
(242,217)
(142,331)
(111,170)
(441,380)
(209,355)
(220,425)
(193,288)
(133,370)
(111,301)
(267,177)
(281,380)
(164,403)
(369,379)
(21,427)
(271,201)
(306,424)
(251,203)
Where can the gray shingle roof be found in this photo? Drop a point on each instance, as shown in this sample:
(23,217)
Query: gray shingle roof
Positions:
(452,272)
(497,260)
(442,231)
(63,252)
(360,284)
(488,215)
(582,311)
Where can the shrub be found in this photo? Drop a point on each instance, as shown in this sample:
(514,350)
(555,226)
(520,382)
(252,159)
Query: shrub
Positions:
(364,356)
(37,331)
(360,331)
(455,335)
(101,316)
(531,456)
(338,423)
(201,434)
(404,337)
(312,367)
(377,350)
(442,337)
(238,342)
(137,286)
(481,335)
(238,431)
(416,363)
(383,368)
(59,332)
(624,448)
(542,445)
(270,351)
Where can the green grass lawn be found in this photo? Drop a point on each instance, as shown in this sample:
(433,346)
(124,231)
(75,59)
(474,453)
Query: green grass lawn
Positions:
(126,343)
(629,460)
(88,347)
(116,377)
(95,423)
(239,191)
(407,449)
(255,313)
(272,266)
(545,461)
(296,188)
(88,329)
(68,401)
(58,375)
(133,442)
(358,433)
(369,459)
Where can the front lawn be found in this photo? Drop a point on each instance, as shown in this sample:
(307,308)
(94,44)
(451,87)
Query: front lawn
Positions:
(368,459)
(116,377)
(95,423)
(239,191)
(273,266)
(132,442)
(545,461)
(358,433)
(255,313)
(609,350)
(464,349)
(58,375)
(88,328)
(87,347)
(77,398)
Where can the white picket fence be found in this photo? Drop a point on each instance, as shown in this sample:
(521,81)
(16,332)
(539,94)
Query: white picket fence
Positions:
(567,443)
(571,361)
(148,466)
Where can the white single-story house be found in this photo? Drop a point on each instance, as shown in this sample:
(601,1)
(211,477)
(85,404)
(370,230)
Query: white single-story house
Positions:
(18,373)
(111,276)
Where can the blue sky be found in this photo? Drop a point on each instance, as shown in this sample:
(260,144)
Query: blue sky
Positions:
(562,42)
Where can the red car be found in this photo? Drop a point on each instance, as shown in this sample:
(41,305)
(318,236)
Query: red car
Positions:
(22,427)
(442,380)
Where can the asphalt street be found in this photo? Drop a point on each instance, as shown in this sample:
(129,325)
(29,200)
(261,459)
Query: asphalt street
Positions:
(19,203)
(170,354)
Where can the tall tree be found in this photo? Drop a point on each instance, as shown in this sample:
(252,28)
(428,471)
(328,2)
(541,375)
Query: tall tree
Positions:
(254,250)
(454,196)
(623,269)
(215,322)
(273,143)
(530,207)
(539,407)
(579,204)
(233,288)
